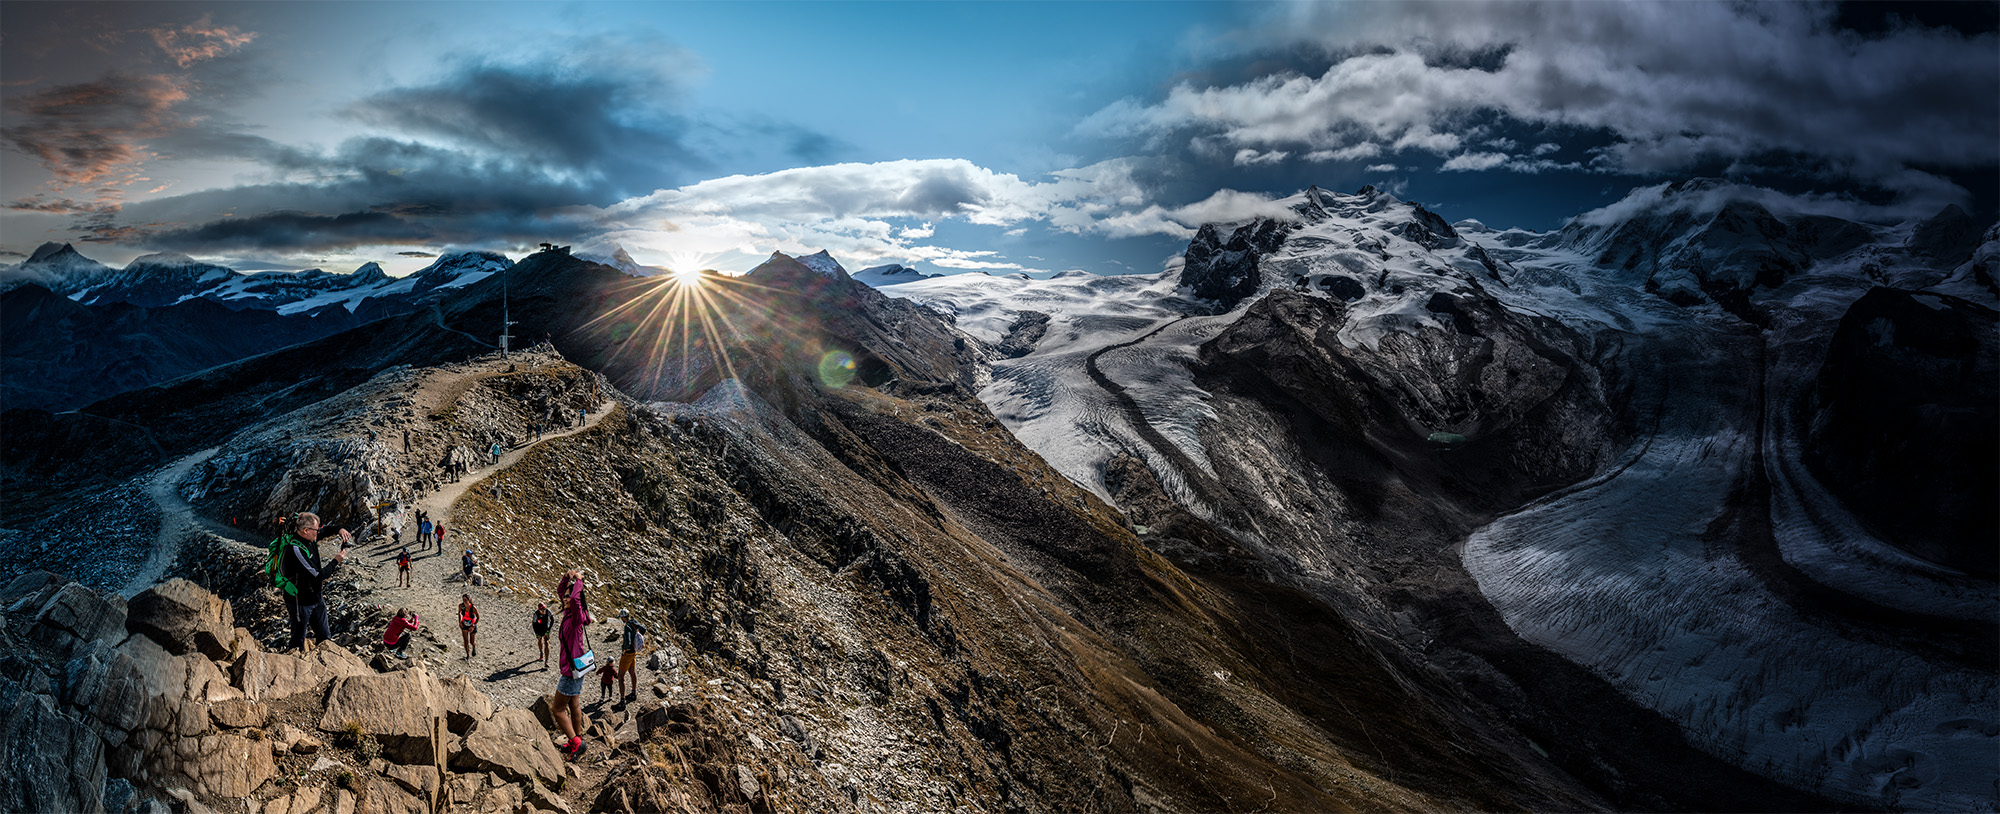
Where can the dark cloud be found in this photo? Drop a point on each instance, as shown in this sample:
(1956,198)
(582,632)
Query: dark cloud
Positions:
(416,254)
(87,132)
(606,129)
(295,231)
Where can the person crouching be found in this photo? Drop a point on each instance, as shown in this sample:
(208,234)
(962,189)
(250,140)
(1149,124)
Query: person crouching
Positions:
(400,628)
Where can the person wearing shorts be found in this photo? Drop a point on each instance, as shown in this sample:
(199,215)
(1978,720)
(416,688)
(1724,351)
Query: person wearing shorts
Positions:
(632,640)
(468,624)
(569,688)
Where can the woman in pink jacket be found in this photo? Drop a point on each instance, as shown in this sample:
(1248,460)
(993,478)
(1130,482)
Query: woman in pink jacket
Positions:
(569,688)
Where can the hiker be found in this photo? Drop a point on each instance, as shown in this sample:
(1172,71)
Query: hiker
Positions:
(423,529)
(467,562)
(299,567)
(396,533)
(403,568)
(606,676)
(468,624)
(496,452)
(633,640)
(400,628)
(575,661)
(541,628)
(437,534)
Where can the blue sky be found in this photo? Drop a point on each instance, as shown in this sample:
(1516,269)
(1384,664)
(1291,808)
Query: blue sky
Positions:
(953,135)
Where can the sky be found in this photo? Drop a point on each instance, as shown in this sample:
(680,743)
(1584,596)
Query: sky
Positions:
(953,136)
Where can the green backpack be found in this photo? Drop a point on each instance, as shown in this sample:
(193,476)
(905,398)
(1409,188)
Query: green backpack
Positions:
(271,566)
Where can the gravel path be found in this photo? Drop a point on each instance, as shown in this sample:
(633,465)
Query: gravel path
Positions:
(509,664)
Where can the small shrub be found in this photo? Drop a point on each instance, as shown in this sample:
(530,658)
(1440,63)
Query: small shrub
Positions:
(369,748)
(254,733)
(350,734)
(345,780)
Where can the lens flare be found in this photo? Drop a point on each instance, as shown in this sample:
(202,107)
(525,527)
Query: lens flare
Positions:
(836,368)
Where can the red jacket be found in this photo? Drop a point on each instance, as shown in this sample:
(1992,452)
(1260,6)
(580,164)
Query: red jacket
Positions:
(397,626)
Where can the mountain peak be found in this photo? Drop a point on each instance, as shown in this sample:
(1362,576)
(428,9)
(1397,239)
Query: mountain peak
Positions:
(50,250)
(823,263)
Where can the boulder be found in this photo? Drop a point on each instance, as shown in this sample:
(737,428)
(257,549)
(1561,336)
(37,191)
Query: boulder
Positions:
(464,704)
(385,797)
(226,764)
(511,744)
(52,761)
(396,708)
(105,683)
(343,802)
(543,710)
(184,617)
(797,731)
(29,590)
(79,611)
(238,714)
(422,781)
(542,799)
(265,676)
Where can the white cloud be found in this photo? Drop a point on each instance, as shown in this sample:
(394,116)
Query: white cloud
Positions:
(1924,201)
(1381,168)
(1252,158)
(886,212)
(1366,149)
(1474,162)
(1674,83)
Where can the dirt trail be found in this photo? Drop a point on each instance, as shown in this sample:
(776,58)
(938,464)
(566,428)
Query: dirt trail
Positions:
(508,665)
(176,518)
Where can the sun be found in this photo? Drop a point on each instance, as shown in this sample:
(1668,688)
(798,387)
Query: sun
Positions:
(687,275)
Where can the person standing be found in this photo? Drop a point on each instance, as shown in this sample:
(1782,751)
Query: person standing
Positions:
(496,452)
(468,624)
(606,677)
(423,530)
(301,565)
(541,628)
(400,628)
(403,568)
(569,688)
(437,534)
(632,640)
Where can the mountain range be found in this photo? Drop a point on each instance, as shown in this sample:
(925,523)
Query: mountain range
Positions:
(1348,508)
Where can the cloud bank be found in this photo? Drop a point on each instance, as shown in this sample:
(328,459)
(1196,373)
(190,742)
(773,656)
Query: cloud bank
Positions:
(1668,86)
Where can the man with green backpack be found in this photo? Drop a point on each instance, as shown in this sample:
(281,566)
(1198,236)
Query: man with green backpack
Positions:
(298,574)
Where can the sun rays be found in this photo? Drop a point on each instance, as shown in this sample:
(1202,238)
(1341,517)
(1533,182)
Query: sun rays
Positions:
(685,324)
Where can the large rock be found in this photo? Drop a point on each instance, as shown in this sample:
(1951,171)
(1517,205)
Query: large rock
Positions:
(238,714)
(29,591)
(82,613)
(512,744)
(385,797)
(1907,423)
(464,704)
(396,708)
(51,761)
(106,683)
(226,764)
(273,676)
(184,617)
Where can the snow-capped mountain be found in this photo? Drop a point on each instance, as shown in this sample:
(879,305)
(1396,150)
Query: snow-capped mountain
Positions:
(1297,380)
(823,263)
(54,266)
(890,274)
(153,280)
(615,256)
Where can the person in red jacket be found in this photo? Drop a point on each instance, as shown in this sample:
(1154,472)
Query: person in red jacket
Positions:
(468,624)
(399,632)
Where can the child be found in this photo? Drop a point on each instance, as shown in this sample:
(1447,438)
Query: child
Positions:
(606,678)
(400,629)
